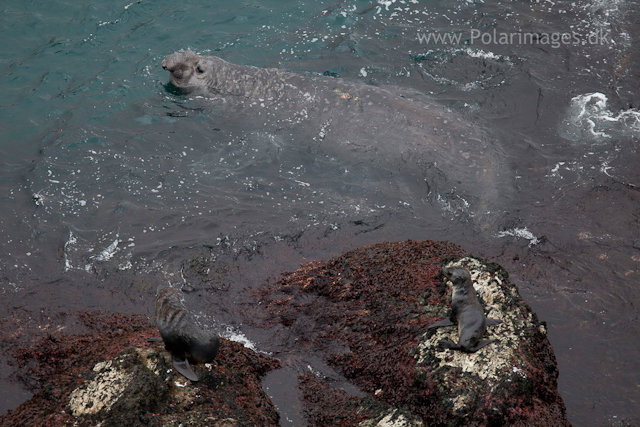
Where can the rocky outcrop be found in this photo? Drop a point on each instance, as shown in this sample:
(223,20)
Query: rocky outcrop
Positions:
(330,406)
(371,308)
(125,381)
(366,313)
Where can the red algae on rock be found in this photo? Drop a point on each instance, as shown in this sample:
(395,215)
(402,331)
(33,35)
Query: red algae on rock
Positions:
(374,304)
(366,313)
(117,378)
(329,406)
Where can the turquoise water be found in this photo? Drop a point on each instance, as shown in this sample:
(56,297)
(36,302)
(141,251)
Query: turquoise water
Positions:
(108,174)
(69,57)
(84,61)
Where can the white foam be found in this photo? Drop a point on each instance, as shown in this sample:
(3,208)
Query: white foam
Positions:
(232,334)
(131,4)
(386,3)
(521,233)
(38,199)
(479,53)
(70,241)
(589,116)
(109,252)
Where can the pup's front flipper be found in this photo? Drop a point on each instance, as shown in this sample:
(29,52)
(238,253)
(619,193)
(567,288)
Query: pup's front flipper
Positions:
(442,344)
(182,366)
(453,346)
(443,322)
(491,322)
(479,345)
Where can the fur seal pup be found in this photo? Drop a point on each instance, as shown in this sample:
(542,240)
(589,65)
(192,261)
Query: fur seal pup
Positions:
(466,311)
(182,337)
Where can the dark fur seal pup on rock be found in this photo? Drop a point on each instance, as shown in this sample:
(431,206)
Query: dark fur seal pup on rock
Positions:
(466,311)
(182,337)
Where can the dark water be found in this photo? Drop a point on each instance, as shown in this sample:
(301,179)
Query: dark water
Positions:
(108,175)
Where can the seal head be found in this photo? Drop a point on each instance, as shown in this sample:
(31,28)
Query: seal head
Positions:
(184,67)
(182,337)
(191,72)
(466,312)
(212,75)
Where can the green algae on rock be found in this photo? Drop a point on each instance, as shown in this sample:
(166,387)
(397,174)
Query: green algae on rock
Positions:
(375,303)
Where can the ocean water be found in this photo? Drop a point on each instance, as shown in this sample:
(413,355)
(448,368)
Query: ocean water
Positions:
(112,181)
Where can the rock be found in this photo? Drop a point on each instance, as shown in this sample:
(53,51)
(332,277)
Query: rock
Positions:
(367,313)
(328,406)
(134,384)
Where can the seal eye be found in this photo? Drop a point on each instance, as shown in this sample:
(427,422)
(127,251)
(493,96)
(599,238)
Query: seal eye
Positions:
(199,69)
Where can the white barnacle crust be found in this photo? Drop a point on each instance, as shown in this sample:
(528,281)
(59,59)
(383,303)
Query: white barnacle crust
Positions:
(115,377)
(100,393)
(150,359)
(394,418)
(495,363)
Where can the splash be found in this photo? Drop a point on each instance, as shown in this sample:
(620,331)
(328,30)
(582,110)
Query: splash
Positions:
(589,117)
(523,233)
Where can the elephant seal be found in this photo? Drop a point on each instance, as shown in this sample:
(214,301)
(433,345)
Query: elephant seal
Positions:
(454,163)
(466,311)
(182,337)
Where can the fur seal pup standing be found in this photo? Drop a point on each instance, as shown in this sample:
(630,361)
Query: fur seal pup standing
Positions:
(182,337)
(466,311)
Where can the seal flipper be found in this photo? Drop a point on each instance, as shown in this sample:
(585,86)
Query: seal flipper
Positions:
(479,345)
(448,344)
(182,366)
(491,322)
(443,322)
(453,346)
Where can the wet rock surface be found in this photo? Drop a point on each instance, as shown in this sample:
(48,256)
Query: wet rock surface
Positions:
(368,311)
(117,378)
(330,406)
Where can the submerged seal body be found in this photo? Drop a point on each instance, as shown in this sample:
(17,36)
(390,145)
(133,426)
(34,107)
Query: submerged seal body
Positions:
(401,130)
(182,337)
(466,312)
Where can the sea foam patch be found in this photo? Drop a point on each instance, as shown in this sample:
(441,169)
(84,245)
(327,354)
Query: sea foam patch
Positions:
(590,118)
